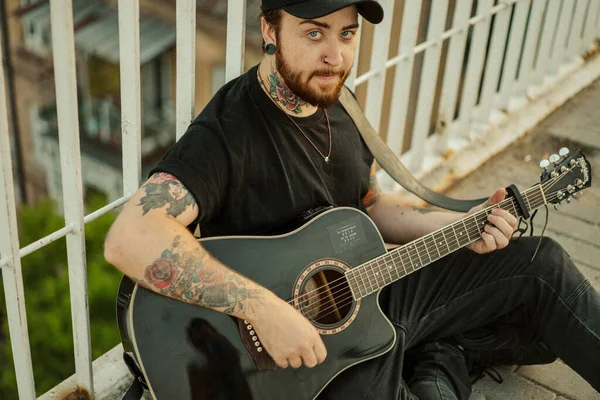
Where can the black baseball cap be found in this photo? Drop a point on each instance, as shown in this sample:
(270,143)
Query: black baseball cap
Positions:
(371,10)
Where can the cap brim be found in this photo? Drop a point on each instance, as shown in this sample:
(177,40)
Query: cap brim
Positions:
(369,9)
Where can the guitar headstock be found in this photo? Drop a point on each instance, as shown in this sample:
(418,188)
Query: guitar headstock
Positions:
(565,175)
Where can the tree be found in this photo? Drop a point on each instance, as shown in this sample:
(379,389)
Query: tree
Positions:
(47,301)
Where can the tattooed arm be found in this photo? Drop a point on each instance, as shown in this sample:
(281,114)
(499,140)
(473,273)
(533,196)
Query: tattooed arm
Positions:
(399,222)
(149,242)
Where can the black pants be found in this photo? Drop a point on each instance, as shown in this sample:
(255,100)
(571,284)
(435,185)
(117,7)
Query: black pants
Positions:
(464,291)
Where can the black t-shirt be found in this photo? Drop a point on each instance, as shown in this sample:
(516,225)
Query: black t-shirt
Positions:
(251,170)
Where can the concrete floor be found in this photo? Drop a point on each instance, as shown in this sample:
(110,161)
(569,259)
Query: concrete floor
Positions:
(575,125)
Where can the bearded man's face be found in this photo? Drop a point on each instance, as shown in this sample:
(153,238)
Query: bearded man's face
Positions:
(314,57)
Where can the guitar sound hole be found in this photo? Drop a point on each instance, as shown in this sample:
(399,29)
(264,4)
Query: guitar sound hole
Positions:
(326,298)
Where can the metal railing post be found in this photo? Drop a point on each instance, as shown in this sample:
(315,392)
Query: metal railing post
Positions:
(12,276)
(236,39)
(186,65)
(61,15)
(131,120)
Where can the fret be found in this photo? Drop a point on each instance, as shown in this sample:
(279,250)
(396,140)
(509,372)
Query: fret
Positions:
(527,200)
(353,283)
(439,255)
(412,263)
(379,274)
(393,267)
(452,240)
(512,203)
(388,267)
(466,230)
(400,256)
(427,251)
(458,236)
(361,274)
(368,273)
(419,252)
(446,240)
(480,230)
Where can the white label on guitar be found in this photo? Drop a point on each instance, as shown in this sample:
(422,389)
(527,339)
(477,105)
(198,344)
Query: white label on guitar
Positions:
(347,235)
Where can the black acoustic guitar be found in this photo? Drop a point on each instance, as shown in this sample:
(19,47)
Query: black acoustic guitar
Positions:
(331,269)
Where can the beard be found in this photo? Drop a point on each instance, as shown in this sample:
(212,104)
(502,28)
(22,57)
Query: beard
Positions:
(326,95)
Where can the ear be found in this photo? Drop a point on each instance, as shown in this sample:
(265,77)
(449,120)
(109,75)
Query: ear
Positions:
(268,32)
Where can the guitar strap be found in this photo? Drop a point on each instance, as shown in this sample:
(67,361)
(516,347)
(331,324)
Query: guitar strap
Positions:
(388,160)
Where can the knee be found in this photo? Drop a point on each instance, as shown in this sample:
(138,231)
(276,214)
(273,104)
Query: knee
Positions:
(553,264)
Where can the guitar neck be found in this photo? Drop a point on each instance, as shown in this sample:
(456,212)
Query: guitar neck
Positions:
(404,260)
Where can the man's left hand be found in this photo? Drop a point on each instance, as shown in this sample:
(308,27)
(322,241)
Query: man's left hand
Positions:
(499,229)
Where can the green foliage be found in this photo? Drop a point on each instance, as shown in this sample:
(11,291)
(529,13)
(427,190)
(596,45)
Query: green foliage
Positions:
(45,277)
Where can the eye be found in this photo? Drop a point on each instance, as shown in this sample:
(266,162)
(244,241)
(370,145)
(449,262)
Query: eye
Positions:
(348,34)
(315,35)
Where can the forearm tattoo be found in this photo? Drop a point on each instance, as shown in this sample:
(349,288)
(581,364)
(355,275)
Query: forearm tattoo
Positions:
(283,95)
(421,211)
(374,192)
(164,189)
(184,274)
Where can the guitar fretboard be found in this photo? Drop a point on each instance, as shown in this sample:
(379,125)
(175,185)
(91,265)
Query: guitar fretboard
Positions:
(404,260)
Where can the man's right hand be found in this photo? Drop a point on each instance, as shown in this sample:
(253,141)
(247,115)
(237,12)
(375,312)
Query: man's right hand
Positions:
(289,338)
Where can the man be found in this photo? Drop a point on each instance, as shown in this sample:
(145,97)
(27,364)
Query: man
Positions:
(276,143)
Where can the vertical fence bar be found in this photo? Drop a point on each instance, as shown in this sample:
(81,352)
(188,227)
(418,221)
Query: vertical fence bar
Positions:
(9,250)
(402,82)
(428,84)
(236,38)
(543,56)
(575,38)
(61,15)
(379,56)
(131,124)
(493,65)
(186,64)
(513,52)
(533,32)
(559,45)
(454,62)
(588,33)
(481,33)
(351,81)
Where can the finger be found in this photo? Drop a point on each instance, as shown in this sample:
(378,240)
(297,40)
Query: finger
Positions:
(282,363)
(309,359)
(295,362)
(498,239)
(497,197)
(501,224)
(511,219)
(320,351)
(488,239)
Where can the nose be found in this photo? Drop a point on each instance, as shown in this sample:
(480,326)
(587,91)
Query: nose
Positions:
(333,54)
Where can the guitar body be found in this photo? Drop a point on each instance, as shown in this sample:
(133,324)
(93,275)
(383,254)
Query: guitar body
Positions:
(189,352)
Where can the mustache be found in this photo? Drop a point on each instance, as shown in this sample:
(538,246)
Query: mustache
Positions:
(325,72)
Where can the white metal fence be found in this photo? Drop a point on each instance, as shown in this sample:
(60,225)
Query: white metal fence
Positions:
(515,49)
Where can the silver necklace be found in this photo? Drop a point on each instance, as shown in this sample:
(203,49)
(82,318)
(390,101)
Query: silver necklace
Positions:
(326,158)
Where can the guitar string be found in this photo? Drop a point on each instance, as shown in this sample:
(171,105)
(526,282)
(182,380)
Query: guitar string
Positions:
(395,256)
(344,290)
(348,295)
(549,184)
(475,217)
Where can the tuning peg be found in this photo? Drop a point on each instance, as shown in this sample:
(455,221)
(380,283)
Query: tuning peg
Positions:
(554,158)
(544,164)
(556,206)
(563,151)
(569,199)
(577,195)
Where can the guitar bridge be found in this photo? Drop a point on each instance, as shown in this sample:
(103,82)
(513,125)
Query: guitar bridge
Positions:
(259,354)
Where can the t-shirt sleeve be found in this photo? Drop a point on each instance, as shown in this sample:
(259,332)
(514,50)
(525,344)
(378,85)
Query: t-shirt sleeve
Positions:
(200,160)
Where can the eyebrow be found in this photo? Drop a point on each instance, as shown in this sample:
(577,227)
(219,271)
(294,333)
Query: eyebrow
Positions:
(326,26)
